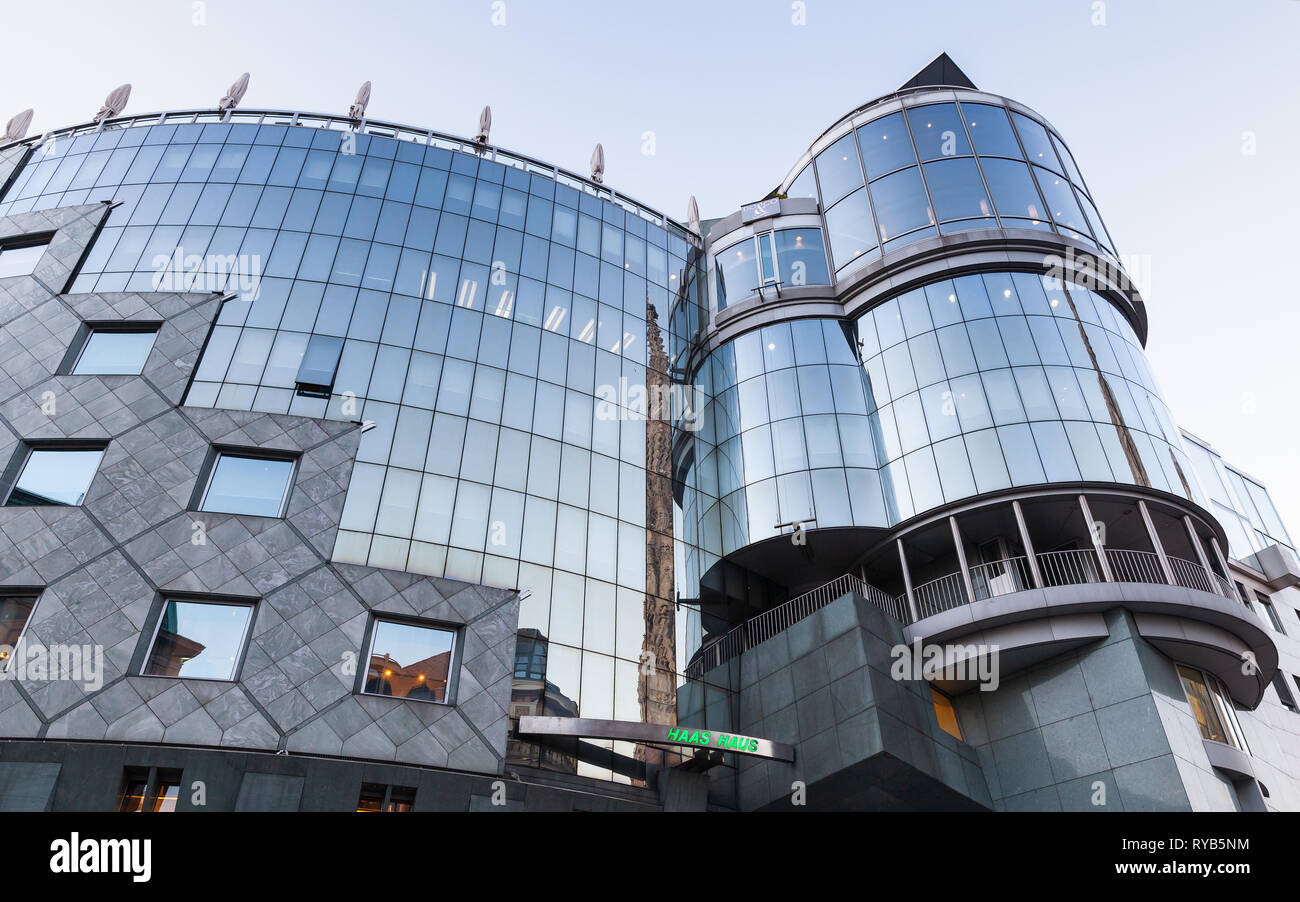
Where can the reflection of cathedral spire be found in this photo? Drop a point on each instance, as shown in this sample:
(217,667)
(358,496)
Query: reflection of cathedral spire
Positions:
(656,688)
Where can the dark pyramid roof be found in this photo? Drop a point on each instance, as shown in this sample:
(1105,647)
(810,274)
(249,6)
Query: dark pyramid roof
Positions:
(941,71)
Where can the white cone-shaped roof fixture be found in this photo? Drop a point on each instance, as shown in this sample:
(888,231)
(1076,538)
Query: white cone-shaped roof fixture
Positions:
(484,125)
(693,215)
(358,108)
(234,94)
(114,103)
(598,164)
(16,128)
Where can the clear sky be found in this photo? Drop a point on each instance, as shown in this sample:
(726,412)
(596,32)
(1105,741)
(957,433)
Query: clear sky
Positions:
(1184,117)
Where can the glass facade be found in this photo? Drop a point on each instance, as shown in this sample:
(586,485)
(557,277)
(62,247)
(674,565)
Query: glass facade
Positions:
(1238,502)
(960,387)
(941,168)
(493,323)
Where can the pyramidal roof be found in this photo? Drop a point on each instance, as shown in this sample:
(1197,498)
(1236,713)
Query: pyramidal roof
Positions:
(940,71)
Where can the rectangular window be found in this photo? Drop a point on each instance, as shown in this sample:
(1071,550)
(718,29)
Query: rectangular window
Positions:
(410,661)
(1244,593)
(1266,603)
(149,789)
(379,797)
(1212,707)
(15,611)
(202,640)
(320,362)
(19,258)
(1284,691)
(55,476)
(115,352)
(248,484)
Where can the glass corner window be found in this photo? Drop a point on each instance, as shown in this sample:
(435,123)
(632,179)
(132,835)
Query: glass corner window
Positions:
(115,351)
(409,660)
(737,272)
(199,640)
(55,476)
(19,258)
(248,484)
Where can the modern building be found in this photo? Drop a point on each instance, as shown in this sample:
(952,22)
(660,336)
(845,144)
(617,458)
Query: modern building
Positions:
(352,466)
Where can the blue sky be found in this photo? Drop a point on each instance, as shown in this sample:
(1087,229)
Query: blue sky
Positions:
(1159,105)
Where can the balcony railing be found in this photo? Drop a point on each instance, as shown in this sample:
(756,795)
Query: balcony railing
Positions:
(988,580)
(782,617)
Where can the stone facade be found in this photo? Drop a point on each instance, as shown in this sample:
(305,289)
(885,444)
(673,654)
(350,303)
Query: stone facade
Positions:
(102,569)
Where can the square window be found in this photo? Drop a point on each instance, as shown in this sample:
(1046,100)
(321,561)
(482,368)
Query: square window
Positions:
(115,352)
(60,476)
(410,661)
(247,484)
(20,258)
(200,640)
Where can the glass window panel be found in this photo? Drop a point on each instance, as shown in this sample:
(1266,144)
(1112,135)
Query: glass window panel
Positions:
(885,145)
(240,484)
(838,170)
(986,459)
(957,190)
(1060,201)
(1013,189)
(1054,451)
(197,640)
(110,351)
(804,185)
(410,661)
(990,130)
(850,229)
(801,257)
(737,273)
(55,476)
(937,131)
(1038,147)
(20,261)
(900,204)
(1022,454)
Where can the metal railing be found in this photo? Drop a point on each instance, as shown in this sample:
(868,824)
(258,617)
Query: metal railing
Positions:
(1001,577)
(990,580)
(939,595)
(780,618)
(1072,567)
(1128,566)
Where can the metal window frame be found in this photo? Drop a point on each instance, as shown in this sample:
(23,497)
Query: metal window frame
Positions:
(160,608)
(217,452)
(453,663)
(89,330)
(18,464)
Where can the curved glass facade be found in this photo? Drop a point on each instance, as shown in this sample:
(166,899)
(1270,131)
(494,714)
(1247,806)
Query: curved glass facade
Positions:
(957,388)
(789,258)
(495,326)
(940,168)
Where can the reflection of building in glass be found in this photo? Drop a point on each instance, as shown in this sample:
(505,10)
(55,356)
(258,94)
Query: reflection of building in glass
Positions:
(909,401)
(425,679)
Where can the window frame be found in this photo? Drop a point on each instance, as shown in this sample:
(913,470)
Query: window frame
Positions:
(141,665)
(204,485)
(12,592)
(22,242)
(453,663)
(1266,602)
(1221,703)
(153,778)
(87,333)
(22,457)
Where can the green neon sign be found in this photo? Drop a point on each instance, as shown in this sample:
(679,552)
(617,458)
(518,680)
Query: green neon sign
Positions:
(706,740)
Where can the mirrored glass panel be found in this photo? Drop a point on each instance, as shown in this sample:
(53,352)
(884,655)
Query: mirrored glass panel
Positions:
(242,484)
(55,476)
(410,661)
(21,259)
(115,352)
(199,640)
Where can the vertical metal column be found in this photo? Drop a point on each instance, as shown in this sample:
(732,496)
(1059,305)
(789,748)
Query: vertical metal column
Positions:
(1029,545)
